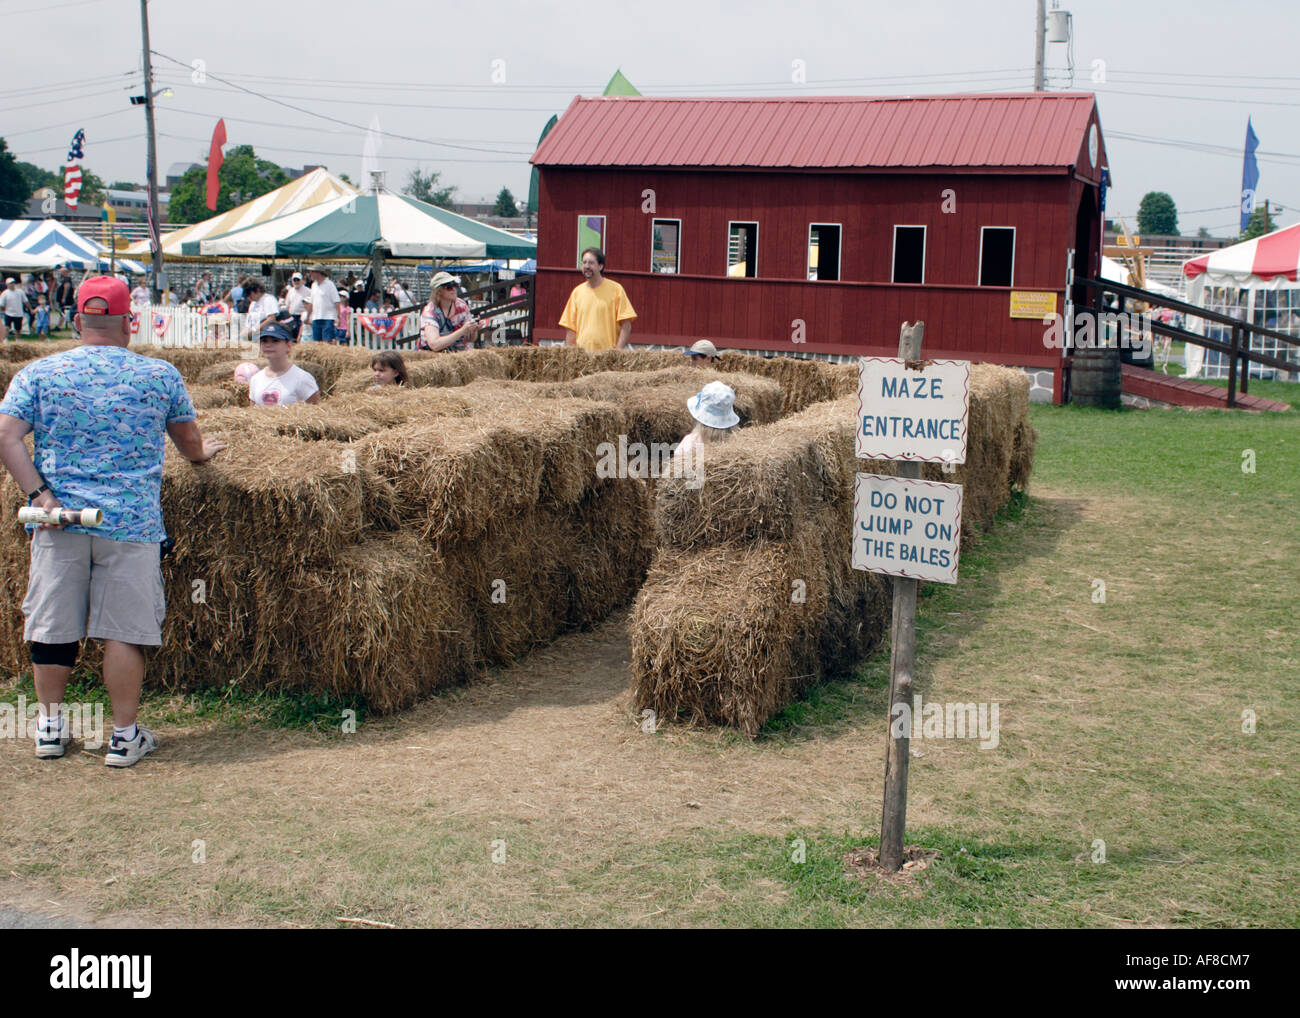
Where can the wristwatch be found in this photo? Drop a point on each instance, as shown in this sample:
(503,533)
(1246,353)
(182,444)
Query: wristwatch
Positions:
(35,494)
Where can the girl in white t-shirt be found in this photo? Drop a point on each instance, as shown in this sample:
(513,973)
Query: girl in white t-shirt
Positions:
(281,382)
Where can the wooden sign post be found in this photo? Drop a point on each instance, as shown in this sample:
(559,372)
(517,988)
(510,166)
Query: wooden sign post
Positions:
(913,411)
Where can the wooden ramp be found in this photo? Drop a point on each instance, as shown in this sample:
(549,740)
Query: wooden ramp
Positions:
(1153,385)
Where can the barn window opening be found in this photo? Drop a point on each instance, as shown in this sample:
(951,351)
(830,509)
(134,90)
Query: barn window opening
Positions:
(997,255)
(909,254)
(665,246)
(824,251)
(742,249)
(591,233)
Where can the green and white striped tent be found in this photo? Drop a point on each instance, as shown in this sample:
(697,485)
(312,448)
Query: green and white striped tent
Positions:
(360,226)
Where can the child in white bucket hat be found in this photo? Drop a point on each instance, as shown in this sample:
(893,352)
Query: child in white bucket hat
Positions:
(713,408)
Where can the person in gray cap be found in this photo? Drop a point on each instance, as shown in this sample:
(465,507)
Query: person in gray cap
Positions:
(702,353)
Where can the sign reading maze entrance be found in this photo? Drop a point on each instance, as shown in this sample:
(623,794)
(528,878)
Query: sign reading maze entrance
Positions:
(919,413)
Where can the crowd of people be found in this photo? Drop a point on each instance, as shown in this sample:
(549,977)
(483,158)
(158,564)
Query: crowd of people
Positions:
(31,304)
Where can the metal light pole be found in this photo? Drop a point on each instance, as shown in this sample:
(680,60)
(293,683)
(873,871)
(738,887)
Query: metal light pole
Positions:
(155,241)
(1040,44)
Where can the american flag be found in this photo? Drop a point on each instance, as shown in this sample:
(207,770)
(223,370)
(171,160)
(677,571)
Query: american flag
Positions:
(72,172)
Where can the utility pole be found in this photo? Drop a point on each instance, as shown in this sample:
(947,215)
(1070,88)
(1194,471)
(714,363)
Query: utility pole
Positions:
(1268,227)
(155,242)
(1040,45)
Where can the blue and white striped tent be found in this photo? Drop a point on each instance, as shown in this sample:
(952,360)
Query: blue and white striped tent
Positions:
(51,238)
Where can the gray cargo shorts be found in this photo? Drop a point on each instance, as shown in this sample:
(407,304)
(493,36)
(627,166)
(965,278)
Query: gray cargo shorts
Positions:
(81,586)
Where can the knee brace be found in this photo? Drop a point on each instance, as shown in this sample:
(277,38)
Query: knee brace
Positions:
(64,654)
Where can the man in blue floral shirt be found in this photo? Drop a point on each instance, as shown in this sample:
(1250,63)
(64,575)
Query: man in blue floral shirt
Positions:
(98,415)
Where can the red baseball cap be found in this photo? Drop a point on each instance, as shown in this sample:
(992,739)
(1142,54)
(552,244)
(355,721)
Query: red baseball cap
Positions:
(107,288)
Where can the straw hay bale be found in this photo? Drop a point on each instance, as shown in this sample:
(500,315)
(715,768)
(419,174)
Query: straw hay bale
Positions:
(844,379)
(381,622)
(222,372)
(655,401)
(803,382)
(206,397)
(999,423)
(532,575)
(191,361)
(7,371)
(1022,456)
(283,500)
(17,351)
(460,472)
(716,636)
(547,363)
(14,559)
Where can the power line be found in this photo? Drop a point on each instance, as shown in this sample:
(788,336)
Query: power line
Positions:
(336,120)
(355,155)
(69,123)
(309,127)
(585,87)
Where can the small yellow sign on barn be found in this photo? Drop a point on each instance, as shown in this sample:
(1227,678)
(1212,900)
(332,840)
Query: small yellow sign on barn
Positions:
(1032,303)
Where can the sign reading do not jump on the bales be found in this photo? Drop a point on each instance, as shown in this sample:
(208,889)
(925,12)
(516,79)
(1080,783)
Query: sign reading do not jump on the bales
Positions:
(906,528)
(917,413)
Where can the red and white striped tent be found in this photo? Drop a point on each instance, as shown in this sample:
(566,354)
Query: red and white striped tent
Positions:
(1264,263)
(1258,281)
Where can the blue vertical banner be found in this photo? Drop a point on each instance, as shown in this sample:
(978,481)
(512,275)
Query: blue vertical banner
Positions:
(1249,176)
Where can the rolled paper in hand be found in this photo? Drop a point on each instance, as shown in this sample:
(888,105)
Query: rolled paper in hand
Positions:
(80,517)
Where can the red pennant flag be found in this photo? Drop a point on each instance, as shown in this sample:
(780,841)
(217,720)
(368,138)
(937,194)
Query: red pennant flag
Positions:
(215,158)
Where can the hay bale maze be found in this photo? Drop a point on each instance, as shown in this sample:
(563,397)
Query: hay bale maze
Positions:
(377,547)
(751,597)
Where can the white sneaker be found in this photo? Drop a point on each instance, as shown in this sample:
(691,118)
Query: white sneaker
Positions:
(125,752)
(51,745)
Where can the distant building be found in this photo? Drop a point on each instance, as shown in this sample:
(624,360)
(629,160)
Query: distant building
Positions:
(1114,238)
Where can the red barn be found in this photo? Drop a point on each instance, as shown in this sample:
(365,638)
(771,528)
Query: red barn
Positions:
(818,225)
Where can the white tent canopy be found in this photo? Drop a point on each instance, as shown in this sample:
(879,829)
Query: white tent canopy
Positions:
(310,189)
(20,261)
(49,238)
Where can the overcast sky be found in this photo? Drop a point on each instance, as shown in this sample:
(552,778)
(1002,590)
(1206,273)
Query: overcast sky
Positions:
(1180,79)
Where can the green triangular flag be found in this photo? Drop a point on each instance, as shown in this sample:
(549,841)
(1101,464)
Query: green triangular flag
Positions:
(619,85)
(532,181)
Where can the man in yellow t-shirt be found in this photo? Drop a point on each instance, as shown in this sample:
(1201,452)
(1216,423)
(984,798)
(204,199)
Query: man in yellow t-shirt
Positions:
(598,315)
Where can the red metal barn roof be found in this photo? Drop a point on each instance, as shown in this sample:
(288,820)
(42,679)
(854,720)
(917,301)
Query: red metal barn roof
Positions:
(1027,130)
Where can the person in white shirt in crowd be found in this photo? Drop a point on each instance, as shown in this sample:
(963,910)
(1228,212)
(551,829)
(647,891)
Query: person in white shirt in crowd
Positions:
(400,294)
(13,302)
(261,306)
(140,295)
(322,305)
(281,382)
(297,296)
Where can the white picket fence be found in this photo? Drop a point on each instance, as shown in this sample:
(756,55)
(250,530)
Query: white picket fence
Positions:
(167,325)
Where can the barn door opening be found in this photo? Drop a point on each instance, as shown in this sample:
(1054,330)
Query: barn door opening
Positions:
(1087,229)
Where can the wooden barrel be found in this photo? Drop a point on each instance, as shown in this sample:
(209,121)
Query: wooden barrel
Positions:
(1095,378)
